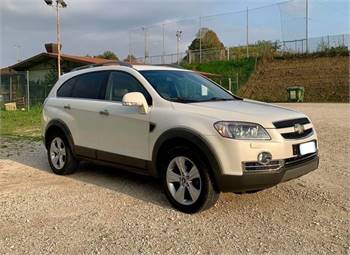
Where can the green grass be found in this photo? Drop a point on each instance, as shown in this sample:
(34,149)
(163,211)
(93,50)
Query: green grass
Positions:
(21,124)
(242,67)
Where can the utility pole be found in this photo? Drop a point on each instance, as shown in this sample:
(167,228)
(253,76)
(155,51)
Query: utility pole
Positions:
(200,39)
(129,47)
(59,4)
(163,51)
(247,33)
(178,36)
(307,25)
(18,49)
(58,41)
(146,46)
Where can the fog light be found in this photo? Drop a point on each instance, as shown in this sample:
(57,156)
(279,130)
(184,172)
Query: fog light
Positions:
(264,157)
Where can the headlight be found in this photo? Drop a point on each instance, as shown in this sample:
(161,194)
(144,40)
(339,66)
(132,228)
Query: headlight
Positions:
(241,130)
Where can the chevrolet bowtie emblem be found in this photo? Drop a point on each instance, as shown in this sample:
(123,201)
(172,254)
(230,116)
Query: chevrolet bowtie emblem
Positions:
(299,128)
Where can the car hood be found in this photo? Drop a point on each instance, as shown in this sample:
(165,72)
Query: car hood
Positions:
(242,110)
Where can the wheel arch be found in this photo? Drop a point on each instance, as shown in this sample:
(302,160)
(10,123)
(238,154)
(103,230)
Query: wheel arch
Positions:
(60,126)
(194,140)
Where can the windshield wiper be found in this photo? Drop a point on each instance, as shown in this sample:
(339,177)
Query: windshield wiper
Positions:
(182,100)
(219,99)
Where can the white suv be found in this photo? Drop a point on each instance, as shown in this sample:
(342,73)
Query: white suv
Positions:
(177,125)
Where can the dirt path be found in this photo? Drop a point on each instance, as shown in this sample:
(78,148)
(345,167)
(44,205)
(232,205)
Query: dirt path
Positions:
(105,211)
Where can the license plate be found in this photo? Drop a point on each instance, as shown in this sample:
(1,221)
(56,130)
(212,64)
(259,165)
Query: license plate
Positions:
(306,148)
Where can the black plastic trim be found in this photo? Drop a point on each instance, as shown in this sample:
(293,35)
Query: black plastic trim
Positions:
(63,127)
(120,161)
(152,126)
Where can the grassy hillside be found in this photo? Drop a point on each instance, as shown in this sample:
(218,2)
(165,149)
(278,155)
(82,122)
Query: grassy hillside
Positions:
(325,79)
(242,67)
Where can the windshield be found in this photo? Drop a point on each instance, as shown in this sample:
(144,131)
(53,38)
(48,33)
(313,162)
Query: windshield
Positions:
(185,87)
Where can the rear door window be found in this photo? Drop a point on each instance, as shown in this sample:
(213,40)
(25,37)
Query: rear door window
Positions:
(90,85)
(66,89)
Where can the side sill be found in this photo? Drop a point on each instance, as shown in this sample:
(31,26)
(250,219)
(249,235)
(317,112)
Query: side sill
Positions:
(130,164)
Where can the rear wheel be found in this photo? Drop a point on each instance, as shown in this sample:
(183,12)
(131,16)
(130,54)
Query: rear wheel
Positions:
(186,181)
(60,156)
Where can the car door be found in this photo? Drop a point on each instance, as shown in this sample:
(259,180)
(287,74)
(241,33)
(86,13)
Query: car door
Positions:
(125,135)
(86,100)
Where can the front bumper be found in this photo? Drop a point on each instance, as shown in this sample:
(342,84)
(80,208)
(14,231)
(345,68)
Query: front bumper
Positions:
(258,181)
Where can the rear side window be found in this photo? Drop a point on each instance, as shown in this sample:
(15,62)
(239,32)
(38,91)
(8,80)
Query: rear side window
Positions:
(66,89)
(90,85)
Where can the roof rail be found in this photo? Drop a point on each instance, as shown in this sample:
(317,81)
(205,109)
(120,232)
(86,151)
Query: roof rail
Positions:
(107,63)
(171,65)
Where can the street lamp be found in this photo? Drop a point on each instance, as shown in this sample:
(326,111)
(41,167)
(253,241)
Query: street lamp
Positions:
(57,4)
(178,36)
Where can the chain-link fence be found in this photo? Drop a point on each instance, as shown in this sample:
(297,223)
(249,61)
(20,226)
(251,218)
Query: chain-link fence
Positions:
(285,26)
(26,88)
(339,44)
(316,44)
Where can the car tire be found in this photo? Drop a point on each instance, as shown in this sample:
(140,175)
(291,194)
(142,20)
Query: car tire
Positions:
(191,189)
(60,156)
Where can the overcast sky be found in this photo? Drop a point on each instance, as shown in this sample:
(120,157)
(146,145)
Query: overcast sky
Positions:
(93,26)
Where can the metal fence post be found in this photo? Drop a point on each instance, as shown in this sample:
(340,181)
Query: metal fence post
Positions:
(200,39)
(229,84)
(328,41)
(237,81)
(28,100)
(247,32)
(163,50)
(228,53)
(307,25)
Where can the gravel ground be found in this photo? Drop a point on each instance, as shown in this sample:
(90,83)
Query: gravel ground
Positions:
(99,210)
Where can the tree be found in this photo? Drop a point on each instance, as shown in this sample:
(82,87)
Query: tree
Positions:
(209,42)
(208,38)
(130,58)
(108,55)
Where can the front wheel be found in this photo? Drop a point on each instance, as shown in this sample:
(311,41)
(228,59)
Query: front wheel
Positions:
(187,182)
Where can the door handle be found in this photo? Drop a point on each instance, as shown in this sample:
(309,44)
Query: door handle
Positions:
(104,112)
(67,107)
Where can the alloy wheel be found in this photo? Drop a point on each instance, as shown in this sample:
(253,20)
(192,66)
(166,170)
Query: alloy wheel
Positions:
(58,153)
(183,180)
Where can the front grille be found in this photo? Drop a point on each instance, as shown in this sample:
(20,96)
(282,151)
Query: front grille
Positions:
(296,135)
(290,123)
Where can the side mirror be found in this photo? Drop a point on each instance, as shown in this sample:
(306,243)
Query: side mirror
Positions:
(136,99)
